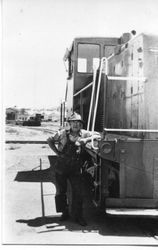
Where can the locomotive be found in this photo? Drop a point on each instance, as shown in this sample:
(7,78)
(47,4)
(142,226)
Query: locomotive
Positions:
(113,83)
(33,121)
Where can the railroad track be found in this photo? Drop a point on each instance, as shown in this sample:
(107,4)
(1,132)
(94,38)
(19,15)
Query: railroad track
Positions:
(51,131)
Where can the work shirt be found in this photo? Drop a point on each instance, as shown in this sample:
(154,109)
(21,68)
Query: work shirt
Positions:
(61,137)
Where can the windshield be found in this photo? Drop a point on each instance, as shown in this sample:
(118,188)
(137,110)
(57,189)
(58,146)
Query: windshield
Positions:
(88,57)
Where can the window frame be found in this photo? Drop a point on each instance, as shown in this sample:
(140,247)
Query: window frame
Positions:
(87,43)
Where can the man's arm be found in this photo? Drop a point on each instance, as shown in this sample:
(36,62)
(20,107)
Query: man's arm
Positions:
(51,143)
(87,137)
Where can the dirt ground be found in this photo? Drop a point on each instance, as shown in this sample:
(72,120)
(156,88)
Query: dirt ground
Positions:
(22,210)
(22,207)
(22,201)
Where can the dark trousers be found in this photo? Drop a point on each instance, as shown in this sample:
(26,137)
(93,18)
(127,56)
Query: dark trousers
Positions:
(76,191)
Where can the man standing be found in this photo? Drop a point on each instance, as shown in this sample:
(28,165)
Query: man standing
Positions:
(68,166)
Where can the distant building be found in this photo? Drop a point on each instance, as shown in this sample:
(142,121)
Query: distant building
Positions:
(14,115)
(11,114)
(49,116)
(18,116)
(22,117)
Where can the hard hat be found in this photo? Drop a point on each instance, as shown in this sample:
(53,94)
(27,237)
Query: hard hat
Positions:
(75,117)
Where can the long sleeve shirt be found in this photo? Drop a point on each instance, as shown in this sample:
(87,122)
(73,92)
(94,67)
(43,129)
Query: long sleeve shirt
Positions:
(61,137)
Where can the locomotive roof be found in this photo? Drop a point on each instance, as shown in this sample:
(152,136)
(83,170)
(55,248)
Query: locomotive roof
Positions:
(94,39)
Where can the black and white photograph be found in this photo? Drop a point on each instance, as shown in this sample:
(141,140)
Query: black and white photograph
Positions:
(79,123)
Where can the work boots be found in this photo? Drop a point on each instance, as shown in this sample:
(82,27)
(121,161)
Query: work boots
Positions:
(81,221)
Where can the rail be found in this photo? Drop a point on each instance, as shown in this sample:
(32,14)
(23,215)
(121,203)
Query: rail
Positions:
(90,84)
(92,98)
(25,142)
(127,78)
(103,60)
(131,130)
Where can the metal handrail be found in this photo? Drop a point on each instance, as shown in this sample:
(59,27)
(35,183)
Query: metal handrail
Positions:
(103,60)
(131,130)
(92,97)
(83,89)
(127,78)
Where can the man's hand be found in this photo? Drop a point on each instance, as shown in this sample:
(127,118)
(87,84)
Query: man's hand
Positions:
(81,142)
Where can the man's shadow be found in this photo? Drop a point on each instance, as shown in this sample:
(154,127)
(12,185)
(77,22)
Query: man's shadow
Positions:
(39,221)
(53,223)
(103,224)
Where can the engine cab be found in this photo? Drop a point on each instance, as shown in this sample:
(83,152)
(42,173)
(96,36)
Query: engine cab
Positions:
(112,85)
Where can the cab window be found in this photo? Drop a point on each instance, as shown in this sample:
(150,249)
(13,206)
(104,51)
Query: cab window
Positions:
(88,57)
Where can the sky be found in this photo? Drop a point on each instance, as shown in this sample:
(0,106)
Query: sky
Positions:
(36,33)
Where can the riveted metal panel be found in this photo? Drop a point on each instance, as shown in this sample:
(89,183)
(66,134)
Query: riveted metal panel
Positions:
(132,203)
(155,191)
(139,168)
(138,161)
(133,103)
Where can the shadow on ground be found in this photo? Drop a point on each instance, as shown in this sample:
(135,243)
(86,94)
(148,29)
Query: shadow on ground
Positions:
(108,225)
(99,223)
